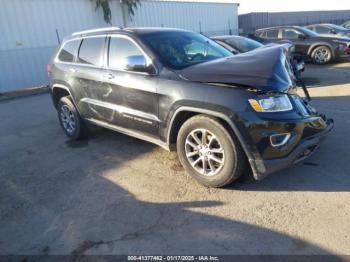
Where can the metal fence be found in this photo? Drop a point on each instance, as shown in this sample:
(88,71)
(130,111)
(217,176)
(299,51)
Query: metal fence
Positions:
(252,21)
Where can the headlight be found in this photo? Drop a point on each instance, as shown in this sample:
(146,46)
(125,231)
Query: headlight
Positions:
(271,104)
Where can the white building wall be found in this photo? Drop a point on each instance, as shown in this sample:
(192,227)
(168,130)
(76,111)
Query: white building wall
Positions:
(28,29)
(28,35)
(206,17)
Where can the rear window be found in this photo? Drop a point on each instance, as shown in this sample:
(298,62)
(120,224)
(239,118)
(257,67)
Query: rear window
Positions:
(272,33)
(68,51)
(322,29)
(91,51)
(290,33)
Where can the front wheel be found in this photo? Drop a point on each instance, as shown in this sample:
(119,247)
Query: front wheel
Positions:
(208,152)
(321,55)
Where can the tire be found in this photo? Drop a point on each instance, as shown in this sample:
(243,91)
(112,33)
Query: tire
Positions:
(231,155)
(70,120)
(321,55)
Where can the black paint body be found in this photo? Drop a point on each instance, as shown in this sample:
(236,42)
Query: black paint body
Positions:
(152,105)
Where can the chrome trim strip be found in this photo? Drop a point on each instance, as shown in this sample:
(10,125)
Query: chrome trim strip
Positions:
(97,30)
(130,133)
(121,109)
(56,60)
(105,66)
(283,142)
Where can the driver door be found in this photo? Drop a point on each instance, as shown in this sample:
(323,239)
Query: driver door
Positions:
(129,97)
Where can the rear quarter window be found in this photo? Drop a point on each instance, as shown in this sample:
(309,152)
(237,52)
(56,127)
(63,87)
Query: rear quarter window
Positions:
(68,51)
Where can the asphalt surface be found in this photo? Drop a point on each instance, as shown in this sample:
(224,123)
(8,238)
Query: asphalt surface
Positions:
(113,194)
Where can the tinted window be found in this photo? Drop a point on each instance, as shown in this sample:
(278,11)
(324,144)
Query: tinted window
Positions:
(68,51)
(182,49)
(337,27)
(119,50)
(290,33)
(91,51)
(272,33)
(307,32)
(322,30)
(243,44)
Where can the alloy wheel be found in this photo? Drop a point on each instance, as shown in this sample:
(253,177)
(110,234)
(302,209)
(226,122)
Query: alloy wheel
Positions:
(204,152)
(322,55)
(68,119)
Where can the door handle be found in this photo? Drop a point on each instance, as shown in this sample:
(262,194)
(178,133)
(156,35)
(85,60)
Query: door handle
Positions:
(72,70)
(108,76)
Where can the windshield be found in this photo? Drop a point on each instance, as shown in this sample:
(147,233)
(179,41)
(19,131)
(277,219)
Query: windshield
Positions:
(178,50)
(243,44)
(346,25)
(308,32)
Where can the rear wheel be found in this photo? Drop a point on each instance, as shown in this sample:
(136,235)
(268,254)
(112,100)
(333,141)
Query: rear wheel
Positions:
(321,55)
(70,120)
(208,152)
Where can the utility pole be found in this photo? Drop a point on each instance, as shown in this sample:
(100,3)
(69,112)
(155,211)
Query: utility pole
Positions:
(123,14)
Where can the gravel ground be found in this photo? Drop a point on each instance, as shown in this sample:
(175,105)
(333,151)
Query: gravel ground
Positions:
(113,194)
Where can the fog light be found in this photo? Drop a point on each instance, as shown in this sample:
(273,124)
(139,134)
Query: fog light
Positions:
(279,139)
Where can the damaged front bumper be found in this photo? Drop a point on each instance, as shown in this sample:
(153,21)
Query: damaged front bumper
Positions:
(305,148)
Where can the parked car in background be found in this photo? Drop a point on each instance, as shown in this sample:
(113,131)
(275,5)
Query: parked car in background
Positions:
(308,43)
(237,44)
(330,30)
(240,44)
(346,24)
(181,90)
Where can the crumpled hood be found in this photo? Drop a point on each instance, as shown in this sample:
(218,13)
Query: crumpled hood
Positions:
(266,69)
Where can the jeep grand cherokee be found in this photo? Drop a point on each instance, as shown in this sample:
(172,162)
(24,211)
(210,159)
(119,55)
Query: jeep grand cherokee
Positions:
(182,91)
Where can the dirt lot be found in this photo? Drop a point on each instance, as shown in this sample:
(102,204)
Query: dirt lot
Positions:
(114,194)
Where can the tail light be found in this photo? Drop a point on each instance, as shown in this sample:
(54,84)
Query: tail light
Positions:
(347,50)
(49,69)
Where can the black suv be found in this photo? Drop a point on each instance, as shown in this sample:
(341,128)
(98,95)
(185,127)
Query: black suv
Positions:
(183,91)
(320,49)
(330,30)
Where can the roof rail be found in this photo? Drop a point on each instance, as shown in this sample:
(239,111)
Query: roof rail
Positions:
(97,30)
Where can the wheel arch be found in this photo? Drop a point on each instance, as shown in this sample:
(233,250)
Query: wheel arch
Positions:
(314,46)
(184,113)
(59,91)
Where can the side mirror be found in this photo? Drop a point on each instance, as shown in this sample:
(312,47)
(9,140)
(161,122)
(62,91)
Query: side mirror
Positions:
(333,32)
(137,63)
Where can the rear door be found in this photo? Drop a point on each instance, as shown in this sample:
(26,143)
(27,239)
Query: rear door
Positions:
(270,35)
(88,71)
(297,38)
(129,97)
